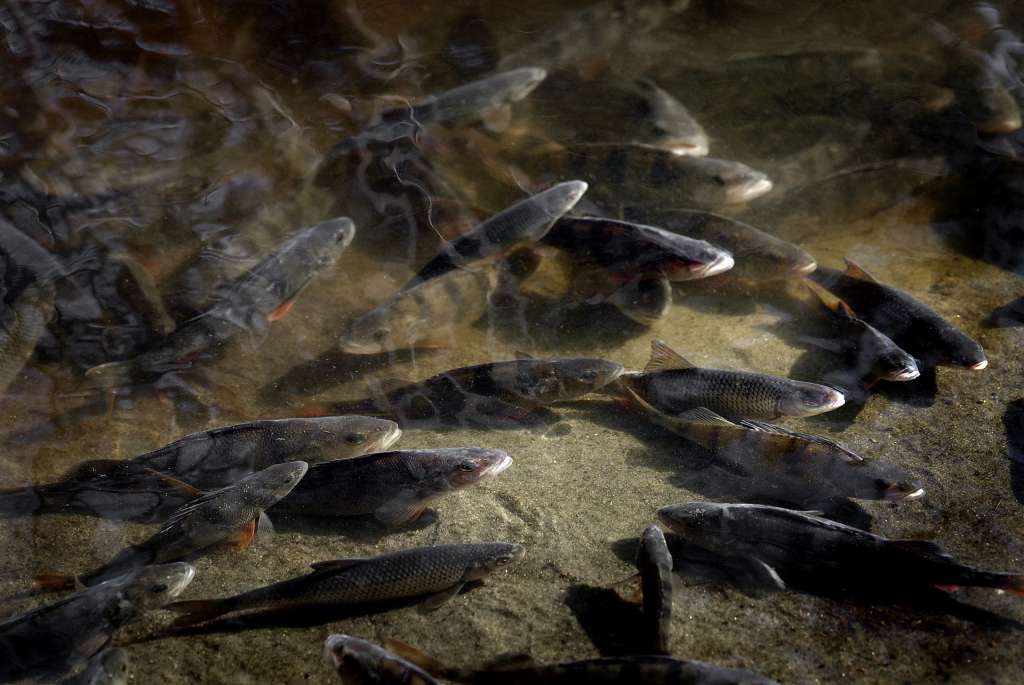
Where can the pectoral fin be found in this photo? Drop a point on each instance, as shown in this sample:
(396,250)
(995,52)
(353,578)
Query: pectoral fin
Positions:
(434,601)
(399,512)
(243,538)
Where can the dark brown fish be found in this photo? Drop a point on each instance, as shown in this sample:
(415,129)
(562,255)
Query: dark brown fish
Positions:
(654,562)
(230,514)
(54,638)
(913,325)
(759,256)
(525,221)
(797,543)
(360,662)
(628,250)
(509,393)
(788,465)
(395,487)
(424,316)
(249,303)
(437,572)
(649,176)
(870,353)
(672,386)
(213,459)
(626,670)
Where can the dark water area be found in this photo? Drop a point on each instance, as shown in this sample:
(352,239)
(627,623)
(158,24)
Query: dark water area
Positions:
(216,213)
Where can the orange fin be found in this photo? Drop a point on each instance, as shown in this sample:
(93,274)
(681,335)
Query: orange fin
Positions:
(51,582)
(947,588)
(243,538)
(281,311)
(854,270)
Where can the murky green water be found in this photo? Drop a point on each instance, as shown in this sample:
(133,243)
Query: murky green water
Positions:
(207,122)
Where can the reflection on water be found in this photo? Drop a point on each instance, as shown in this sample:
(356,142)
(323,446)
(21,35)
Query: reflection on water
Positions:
(453,301)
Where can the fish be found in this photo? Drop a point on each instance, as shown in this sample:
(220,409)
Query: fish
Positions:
(1008,315)
(247,304)
(871,353)
(624,670)
(526,221)
(913,325)
(395,487)
(134,489)
(638,112)
(425,316)
(648,176)
(109,667)
(757,254)
(592,32)
(627,250)
(57,637)
(673,385)
(644,300)
(787,464)
(654,561)
(463,104)
(886,101)
(485,395)
(22,323)
(228,515)
(360,662)
(794,543)
(436,572)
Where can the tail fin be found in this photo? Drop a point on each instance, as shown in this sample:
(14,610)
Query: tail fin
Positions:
(198,611)
(20,502)
(51,582)
(425,661)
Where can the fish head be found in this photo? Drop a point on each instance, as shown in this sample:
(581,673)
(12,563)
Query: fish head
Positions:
(560,198)
(995,111)
(965,352)
(725,182)
(566,379)
(115,666)
(809,399)
(703,264)
(353,436)
(265,488)
(879,480)
(154,586)
(356,660)
(471,465)
(889,361)
(325,241)
(520,82)
(492,557)
(692,520)
(376,332)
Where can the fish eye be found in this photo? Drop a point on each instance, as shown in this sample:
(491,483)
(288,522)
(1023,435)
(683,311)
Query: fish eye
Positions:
(467,466)
(380,334)
(355,438)
(502,560)
(720,180)
(158,588)
(590,375)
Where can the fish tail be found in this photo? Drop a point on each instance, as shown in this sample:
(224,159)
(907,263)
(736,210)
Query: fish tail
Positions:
(430,664)
(21,502)
(51,582)
(198,611)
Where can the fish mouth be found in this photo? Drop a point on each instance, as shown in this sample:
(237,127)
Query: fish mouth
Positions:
(978,366)
(719,264)
(334,648)
(358,348)
(748,191)
(897,491)
(1000,126)
(806,268)
(497,468)
(907,374)
(835,400)
(392,436)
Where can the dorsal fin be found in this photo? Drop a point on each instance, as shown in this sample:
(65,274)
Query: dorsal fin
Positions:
(337,564)
(854,270)
(416,656)
(831,302)
(664,357)
(179,485)
(519,354)
(705,416)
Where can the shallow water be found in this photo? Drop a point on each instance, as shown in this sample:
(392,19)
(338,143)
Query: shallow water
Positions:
(176,101)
